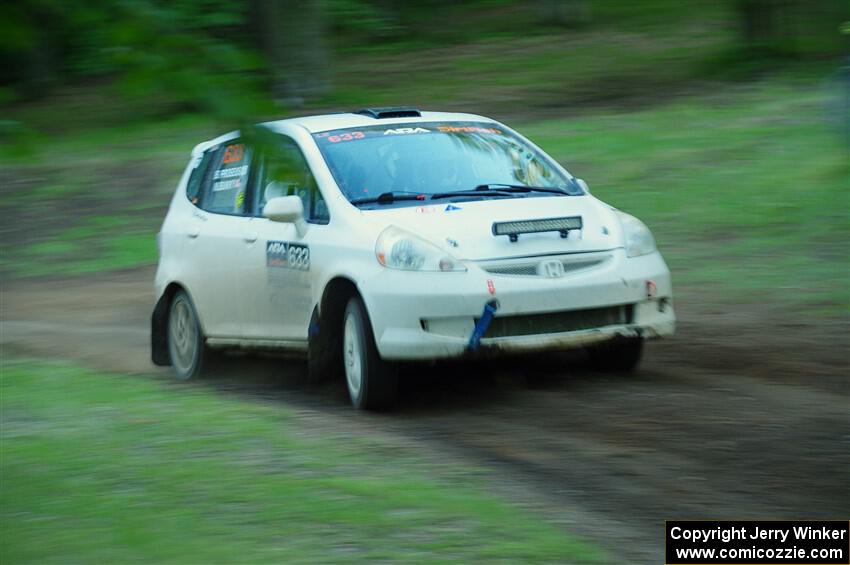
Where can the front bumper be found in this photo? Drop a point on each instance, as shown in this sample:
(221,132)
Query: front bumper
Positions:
(418,316)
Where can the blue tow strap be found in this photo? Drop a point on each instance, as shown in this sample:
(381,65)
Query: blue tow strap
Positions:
(482,325)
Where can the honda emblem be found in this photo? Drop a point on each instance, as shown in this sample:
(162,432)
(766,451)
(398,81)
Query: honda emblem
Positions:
(551,269)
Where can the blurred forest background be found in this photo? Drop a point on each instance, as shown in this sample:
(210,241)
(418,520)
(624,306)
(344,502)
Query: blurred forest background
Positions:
(711,119)
(155,58)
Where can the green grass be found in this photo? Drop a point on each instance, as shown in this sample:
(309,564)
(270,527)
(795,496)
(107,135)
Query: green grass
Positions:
(92,200)
(748,193)
(524,74)
(102,468)
(97,244)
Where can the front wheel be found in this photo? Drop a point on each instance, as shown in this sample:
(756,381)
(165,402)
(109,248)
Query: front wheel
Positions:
(185,339)
(620,354)
(372,382)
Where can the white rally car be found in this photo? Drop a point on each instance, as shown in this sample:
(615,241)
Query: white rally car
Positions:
(389,234)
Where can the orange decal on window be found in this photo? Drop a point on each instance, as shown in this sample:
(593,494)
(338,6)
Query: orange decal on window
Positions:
(467,129)
(233,153)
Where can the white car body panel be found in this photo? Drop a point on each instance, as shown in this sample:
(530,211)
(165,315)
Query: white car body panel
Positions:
(221,261)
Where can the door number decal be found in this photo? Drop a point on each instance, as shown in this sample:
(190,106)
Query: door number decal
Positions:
(286,255)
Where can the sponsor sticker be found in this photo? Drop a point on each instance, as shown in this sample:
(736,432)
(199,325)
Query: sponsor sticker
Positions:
(467,129)
(227,185)
(287,255)
(346,136)
(402,131)
(233,153)
(230,173)
(371,132)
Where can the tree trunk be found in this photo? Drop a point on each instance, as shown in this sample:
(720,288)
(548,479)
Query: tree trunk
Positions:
(770,26)
(295,44)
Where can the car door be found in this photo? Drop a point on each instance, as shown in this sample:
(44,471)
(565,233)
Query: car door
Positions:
(214,239)
(277,264)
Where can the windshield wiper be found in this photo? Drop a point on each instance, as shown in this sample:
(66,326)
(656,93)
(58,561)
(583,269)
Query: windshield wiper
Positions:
(389,197)
(478,192)
(520,188)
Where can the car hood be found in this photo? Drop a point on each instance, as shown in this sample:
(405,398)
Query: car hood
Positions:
(465,229)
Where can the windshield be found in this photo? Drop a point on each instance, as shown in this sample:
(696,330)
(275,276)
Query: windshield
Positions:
(418,161)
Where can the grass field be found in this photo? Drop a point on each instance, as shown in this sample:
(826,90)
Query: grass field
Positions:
(746,191)
(106,468)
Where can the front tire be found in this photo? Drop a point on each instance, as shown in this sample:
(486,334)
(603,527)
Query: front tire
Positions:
(372,382)
(186,346)
(619,355)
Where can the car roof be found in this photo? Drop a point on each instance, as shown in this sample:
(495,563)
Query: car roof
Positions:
(343,120)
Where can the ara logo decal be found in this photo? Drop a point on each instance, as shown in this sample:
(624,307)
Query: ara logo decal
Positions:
(397,131)
(286,255)
(452,208)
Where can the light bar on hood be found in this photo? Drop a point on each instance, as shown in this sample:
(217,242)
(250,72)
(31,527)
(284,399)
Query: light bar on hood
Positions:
(560,225)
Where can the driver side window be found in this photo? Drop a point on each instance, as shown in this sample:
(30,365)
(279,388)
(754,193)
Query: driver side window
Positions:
(285,172)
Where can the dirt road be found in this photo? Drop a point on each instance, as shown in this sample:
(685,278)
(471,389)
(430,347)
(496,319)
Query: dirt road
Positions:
(744,414)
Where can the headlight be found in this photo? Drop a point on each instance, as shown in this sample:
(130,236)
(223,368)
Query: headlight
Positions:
(639,240)
(400,249)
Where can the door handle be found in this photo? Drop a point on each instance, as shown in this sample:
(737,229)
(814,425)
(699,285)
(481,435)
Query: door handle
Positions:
(193,232)
(250,237)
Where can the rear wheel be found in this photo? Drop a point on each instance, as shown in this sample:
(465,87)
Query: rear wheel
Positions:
(372,382)
(620,354)
(185,340)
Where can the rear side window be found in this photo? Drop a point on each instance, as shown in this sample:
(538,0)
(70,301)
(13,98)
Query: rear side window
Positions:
(196,178)
(226,188)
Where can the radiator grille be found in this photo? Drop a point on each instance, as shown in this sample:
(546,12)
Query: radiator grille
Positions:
(530,269)
(557,322)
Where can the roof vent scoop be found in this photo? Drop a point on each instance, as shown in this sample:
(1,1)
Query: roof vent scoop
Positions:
(390,112)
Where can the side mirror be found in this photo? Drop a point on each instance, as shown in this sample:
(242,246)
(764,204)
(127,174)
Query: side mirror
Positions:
(286,209)
(583,185)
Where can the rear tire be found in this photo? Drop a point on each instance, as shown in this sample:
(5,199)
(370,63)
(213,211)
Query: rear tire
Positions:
(619,355)
(186,347)
(372,382)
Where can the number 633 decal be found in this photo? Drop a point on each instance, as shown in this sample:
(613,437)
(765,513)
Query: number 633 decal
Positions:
(286,255)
